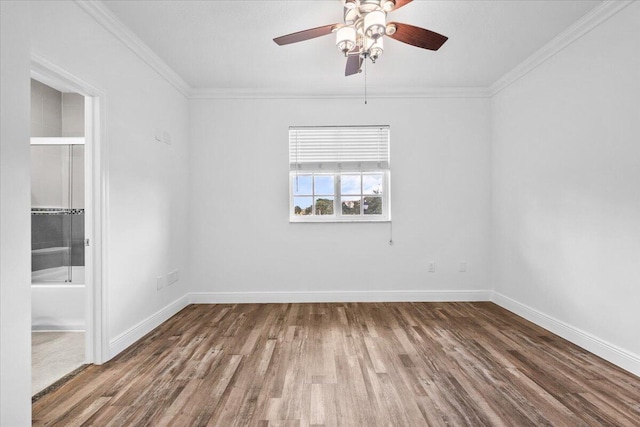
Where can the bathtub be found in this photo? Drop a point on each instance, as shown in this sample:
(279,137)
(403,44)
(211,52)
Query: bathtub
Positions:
(56,305)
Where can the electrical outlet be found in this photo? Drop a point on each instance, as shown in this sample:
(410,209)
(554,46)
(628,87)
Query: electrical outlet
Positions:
(432,267)
(463,266)
(172,277)
(159,282)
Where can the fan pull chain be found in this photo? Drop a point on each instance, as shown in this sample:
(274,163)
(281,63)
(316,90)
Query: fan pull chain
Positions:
(297,163)
(365,80)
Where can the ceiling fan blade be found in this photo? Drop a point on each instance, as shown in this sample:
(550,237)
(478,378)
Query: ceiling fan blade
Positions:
(417,36)
(300,36)
(400,3)
(354,62)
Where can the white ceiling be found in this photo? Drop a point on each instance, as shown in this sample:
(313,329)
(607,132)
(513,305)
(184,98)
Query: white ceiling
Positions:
(228,44)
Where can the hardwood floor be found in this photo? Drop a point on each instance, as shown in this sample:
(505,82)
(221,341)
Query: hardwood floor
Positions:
(364,364)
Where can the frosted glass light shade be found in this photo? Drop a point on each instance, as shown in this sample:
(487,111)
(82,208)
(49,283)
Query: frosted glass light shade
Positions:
(388,5)
(375,48)
(374,24)
(351,4)
(346,39)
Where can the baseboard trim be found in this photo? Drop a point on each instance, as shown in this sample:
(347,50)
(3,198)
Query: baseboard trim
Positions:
(133,334)
(337,296)
(622,358)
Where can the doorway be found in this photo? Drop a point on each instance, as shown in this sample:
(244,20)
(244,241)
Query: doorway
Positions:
(58,290)
(68,190)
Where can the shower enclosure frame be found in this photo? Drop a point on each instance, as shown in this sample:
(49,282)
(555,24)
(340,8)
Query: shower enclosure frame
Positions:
(70,209)
(96,213)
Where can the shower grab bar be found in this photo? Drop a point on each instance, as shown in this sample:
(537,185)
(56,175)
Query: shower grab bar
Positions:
(57,249)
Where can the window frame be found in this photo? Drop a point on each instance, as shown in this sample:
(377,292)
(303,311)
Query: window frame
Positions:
(337,197)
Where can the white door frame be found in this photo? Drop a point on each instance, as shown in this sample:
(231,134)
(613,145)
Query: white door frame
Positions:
(96,203)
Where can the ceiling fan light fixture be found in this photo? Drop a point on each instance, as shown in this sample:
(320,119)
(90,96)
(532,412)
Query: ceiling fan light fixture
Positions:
(362,34)
(351,4)
(375,48)
(388,5)
(391,29)
(346,39)
(375,24)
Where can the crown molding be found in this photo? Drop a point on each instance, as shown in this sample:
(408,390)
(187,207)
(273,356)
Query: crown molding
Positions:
(50,74)
(98,11)
(444,92)
(598,15)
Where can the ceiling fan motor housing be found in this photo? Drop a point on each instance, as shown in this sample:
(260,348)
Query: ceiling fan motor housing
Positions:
(355,9)
(368,18)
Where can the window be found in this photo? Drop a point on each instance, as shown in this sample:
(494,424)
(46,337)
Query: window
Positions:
(339,173)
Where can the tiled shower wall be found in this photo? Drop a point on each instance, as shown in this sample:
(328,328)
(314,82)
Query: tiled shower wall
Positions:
(57,231)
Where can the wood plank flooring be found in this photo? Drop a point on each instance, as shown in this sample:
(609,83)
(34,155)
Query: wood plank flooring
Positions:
(349,364)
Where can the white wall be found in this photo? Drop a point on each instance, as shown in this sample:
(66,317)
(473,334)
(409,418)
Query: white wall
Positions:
(46,110)
(58,307)
(15,245)
(566,192)
(147,181)
(241,240)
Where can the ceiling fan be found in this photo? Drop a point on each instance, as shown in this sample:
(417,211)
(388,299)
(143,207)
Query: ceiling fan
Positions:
(361,35)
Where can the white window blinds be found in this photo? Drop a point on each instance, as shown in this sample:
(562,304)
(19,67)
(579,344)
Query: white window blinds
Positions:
(339,147)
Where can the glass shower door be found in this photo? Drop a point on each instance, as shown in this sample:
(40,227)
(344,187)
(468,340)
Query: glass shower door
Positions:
(57,217)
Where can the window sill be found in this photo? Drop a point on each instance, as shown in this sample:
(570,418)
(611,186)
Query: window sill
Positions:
(334,220)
